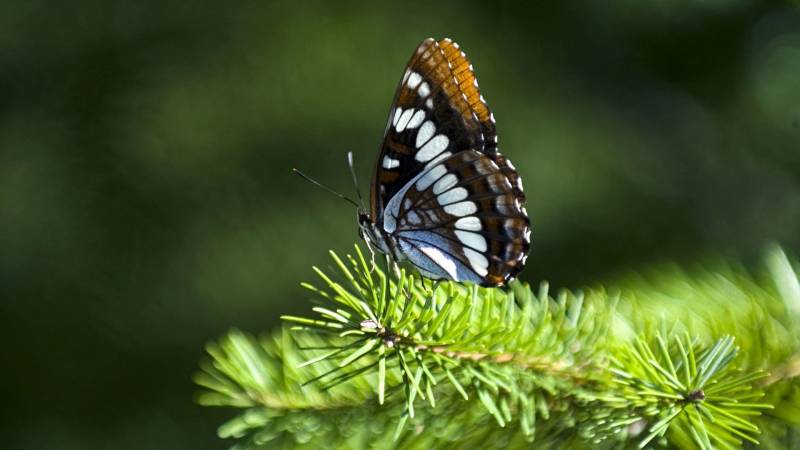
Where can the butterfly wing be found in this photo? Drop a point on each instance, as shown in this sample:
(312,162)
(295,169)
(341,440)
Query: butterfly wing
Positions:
(441,130)
(438,86)
(461,219)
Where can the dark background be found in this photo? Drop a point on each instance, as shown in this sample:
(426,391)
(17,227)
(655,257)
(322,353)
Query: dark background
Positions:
(147,204)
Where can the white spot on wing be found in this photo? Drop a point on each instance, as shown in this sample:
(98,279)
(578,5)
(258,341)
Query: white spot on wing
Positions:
(425,133)
(432,148)
(413,218)
(390,163)
(469,223)
(439,158)
(498,183)
(509,225)
(461,209)
(397,113)
(502,207)
(416,119)
(429,103)
(403,121)
(424,89)
(478,262)
(430,176)
(451,196)
(445,183)
(413,80)
(441,260)
(471,239)
(488,167)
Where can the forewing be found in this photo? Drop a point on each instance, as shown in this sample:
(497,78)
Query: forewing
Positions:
(437,110)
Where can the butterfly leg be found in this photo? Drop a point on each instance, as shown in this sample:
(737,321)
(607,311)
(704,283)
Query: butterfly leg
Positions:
(372,256)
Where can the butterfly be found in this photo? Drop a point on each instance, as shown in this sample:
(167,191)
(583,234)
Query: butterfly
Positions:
(442,196)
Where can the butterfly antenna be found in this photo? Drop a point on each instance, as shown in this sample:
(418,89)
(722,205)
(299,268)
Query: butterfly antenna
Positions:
(355,180)
(320,185)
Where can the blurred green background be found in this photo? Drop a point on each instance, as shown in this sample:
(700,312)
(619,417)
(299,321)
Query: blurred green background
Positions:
(147,204)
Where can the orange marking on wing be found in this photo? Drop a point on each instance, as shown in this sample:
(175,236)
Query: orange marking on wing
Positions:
(432,62)
(465,77)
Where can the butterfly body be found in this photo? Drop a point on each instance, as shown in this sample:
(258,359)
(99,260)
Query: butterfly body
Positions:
(442,196)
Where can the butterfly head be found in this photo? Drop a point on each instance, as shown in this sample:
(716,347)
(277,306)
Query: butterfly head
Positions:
(366,227)
(371,233)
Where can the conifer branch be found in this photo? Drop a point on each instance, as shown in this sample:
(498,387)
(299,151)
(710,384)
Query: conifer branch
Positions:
(416,364)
